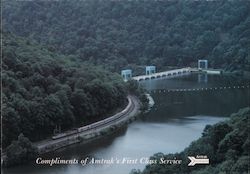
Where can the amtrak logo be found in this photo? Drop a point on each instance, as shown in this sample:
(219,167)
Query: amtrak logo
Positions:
(198,160)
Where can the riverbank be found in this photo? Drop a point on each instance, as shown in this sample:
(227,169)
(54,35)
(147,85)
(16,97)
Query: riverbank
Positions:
(217,144)
(151,101)
(94,131)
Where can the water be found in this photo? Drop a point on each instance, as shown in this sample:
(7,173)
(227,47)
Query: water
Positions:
(176,119)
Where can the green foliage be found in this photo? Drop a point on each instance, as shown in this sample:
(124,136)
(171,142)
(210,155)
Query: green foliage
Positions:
(119,34)
(42,90)
(20,151)
(226,144)
(135,89)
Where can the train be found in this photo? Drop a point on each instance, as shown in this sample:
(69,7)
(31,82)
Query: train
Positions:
(117,116)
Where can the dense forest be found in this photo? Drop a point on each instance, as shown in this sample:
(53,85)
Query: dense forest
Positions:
(119,34)
(227,145)
(42,90)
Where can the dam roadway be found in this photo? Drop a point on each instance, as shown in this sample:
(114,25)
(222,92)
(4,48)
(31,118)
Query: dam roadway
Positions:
(175,73)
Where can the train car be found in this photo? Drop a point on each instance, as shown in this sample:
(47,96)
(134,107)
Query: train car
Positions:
(81,129)
(61,135)
(99,123)
(58,136)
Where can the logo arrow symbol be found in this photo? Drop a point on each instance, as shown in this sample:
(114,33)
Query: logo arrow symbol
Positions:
(194,161)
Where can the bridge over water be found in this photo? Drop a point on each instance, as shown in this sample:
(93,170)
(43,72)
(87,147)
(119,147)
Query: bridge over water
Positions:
(151,72)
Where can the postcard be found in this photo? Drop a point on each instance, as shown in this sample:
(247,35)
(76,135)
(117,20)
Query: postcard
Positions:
(125,86)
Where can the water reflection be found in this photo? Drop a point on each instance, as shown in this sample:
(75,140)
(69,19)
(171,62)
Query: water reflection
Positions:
(204,102)
(202,78)
(190,82)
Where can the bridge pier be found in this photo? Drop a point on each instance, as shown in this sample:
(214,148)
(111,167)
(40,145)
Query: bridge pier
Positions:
(202,64)
(150,70)
(126,74)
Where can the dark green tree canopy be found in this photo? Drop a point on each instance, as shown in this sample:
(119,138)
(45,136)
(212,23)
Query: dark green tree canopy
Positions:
(122,33)
(43,89)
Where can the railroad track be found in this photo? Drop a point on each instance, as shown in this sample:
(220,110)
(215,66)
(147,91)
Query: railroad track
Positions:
(130,107)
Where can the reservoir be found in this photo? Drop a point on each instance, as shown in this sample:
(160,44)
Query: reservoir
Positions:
(183,107)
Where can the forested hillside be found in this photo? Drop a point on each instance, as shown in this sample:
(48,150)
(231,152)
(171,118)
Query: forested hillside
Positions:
(227,145)
(42,90)
(128,33)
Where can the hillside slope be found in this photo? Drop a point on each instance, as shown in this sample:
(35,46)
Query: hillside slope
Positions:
(43,90)
(118,34)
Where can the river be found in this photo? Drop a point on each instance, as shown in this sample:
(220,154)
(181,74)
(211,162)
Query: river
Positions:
(176,119)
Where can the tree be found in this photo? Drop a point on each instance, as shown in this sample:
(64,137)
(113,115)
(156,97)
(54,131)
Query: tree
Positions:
(20,151)
(227,159)
(11,121)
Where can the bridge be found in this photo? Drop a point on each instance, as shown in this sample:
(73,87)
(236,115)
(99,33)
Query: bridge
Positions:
(165,74)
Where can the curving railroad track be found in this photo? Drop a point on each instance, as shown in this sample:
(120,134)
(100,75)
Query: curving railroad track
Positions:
(72,136)
(101,123)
